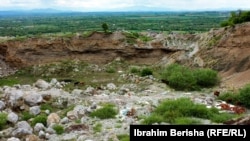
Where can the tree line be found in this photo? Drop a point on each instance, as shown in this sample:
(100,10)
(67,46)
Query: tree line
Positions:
(237,17)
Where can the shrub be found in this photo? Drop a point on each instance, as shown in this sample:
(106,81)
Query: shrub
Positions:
(146,72)
(26,115)
(59,129)
(39,119)
(46,106)
(134,70)
(244,96)
(186,121)
(241,97)
(206,77)
(3,120)
(107,111)
(179,111)
(110,70)
(184,78)
(229,97)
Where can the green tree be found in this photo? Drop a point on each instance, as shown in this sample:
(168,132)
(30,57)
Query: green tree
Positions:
(236,18)
(105,27)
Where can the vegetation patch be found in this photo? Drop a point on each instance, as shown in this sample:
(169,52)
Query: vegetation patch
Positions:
(3,120)
(59,129)
(181,111)
(123,137)
(97,127)
(39,119)
(241,97)
(25,115)
(8,82)
(107,111)
(184,78)
(236,17)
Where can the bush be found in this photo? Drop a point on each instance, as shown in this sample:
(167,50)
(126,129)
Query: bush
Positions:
(244,96)
(236,18)
(46,106)
(183,78)
(39,119)
(241,97)
(134,70)
(206,77)
(59,129)
(107,111)
(187,121)
(3,120)
(26,115)
(181,110)
(229,97)
(146,72)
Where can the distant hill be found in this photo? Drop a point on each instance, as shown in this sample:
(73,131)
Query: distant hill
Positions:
(33,11)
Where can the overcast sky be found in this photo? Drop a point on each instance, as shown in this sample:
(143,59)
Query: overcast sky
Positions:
(123,5)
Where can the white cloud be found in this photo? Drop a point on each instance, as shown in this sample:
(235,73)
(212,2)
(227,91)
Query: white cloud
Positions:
(122,4)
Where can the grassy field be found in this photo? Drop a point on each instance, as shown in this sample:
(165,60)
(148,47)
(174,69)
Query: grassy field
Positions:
(36,24)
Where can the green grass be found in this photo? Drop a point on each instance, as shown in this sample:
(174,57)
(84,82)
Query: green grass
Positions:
(59,129)
(8,82)
(3,120)
(97,127)
(181,110)
(240,97)
(39,119)
(46,106)
(186,79)
(123,137)
(25,115)
(106,112)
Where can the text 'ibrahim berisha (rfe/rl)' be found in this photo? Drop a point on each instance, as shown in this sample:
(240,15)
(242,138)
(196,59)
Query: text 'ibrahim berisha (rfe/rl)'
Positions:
(194,132)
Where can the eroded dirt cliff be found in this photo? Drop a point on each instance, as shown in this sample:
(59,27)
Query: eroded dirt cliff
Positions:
(226,50)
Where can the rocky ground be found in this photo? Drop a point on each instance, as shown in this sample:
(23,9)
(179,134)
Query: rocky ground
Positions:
(131,100)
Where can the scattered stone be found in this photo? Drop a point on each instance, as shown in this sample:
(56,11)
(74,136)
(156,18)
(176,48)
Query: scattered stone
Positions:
(41,84)
(39,127)
(22,129)
(35,110)
(12,117)
(13,139)
(2,105)
(32,98)
(53,118)
(32,138)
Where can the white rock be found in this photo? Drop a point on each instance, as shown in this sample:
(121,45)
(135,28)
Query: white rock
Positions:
(39,127)
(12,117)
(35,110)
(15,98)
(22,128)
(41,84)
(13,139)
(2,105)
(111,86)
(32,98)
(41,134)
(53,118)
(77,92)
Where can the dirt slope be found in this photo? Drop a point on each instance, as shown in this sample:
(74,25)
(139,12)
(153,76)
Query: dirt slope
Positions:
(230,55)
(226,50)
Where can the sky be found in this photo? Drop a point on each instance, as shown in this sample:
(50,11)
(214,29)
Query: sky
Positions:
(126,5)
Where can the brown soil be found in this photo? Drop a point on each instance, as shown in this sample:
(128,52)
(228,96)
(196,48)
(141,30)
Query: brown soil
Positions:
(230,53)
